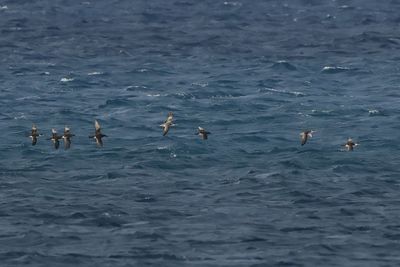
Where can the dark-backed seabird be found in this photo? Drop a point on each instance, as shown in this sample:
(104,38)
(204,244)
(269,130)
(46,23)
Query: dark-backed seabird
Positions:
(350,144)
(305,135)
(167,123)
(203,133)
(98,135)
(55,138)
(67,137)
(34,134)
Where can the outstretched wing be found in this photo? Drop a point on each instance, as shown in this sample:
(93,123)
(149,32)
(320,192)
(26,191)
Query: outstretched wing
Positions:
(97,125)
(304,137)
(169,118)
(99,142)
(166,128)
(67,143)
(34,140)
(56,144)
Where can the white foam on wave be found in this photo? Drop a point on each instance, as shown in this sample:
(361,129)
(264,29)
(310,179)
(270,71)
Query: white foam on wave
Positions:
(134,86)
(329,68)
(284,64)
(373,112)
(95,73)
(303,114)
(296,93)
(228,3)
(65,80)
(201,84)
(20,117)
(28,97)
(282,91)
(119,112)
(321,111)
(266,175)
(3,7)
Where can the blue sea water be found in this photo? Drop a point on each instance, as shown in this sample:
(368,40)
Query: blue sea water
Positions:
(254,74)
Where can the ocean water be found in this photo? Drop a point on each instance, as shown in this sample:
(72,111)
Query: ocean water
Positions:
(254,74)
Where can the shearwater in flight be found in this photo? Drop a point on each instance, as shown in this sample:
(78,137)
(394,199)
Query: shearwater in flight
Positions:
(305,135)
(98,136)
(203,133)
(67,137)
(167,123)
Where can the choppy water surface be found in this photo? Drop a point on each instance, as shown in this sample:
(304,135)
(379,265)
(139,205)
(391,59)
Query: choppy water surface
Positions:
(254,73)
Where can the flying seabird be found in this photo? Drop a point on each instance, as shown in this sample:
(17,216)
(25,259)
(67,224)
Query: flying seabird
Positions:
(305,135)
(67,137)
(203,133)
(350,144)
(55,138)
(34,134)
(98,135)
(167,123)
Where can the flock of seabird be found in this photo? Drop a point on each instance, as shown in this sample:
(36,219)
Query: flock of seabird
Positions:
(168,123)
(66,137)
(349,145)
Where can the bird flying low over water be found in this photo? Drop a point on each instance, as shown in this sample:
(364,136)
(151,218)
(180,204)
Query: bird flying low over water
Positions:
(350,144)
(67,137)
(305,135)
(34,134)
(55,138)
(167,123)
(203,133)
(98,135)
